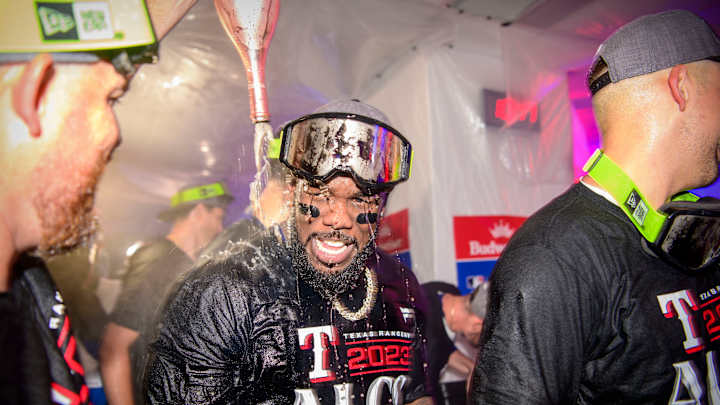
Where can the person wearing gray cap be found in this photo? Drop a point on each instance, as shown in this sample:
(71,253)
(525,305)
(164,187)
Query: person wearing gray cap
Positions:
(196,216)
(609,294)
(319,315)
(453,331)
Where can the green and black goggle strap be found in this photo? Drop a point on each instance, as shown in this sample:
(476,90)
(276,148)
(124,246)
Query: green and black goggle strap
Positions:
(611,177)
(684,232)
(273,151)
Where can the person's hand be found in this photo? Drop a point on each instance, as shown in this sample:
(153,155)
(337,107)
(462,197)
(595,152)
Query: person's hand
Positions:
(460,362)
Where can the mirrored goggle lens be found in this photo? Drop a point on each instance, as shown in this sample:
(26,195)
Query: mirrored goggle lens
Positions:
(692,240)
(319,147)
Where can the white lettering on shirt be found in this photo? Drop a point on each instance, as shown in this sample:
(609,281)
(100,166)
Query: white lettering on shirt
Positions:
(680,304)
(320,338)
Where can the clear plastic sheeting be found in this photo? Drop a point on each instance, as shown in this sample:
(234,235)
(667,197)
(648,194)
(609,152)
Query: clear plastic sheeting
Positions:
(464,166)
(426,65)
(186,119)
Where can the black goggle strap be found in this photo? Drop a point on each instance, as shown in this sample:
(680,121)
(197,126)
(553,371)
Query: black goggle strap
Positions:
(611,177)
(125,61)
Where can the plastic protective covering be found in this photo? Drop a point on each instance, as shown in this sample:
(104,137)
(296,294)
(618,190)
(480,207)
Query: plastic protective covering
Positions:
(186,119)
(485,107)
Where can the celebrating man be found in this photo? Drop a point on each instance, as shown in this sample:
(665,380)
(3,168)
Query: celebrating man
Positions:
(324,317)
(609,293)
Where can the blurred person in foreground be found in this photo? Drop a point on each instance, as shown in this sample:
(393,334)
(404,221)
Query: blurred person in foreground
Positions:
(196,215)
(608,294)
(62,65)
(321,317)
(452,328)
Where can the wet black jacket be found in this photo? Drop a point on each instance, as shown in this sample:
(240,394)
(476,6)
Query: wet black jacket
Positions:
(245,330)
(581,313)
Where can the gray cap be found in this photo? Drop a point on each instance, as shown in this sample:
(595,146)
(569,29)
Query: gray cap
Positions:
(353,106)
(655,42)
(479,298)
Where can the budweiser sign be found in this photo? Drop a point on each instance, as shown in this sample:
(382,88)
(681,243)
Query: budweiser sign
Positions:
(483,238)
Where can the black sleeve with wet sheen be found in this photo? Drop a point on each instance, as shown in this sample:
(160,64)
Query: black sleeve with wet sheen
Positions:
(532,345)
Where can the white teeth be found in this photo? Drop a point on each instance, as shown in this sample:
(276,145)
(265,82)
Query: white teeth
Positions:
(334,243)
(332,248)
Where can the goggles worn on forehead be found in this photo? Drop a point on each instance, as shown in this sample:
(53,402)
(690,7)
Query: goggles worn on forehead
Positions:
(684,232)
(317,147)
(78,31)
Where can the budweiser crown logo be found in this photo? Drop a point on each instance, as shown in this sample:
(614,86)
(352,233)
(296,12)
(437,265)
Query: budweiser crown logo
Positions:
(501,229)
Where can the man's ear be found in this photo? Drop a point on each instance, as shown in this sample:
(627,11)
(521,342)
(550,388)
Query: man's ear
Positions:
(678,82)
(197,211)
(28,90)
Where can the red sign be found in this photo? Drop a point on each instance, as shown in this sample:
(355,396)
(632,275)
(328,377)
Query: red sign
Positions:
(393,233)
(510,110)
(503,111)
(483,238)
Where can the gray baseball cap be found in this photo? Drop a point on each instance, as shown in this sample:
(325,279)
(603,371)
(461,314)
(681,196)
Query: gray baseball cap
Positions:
(654,42)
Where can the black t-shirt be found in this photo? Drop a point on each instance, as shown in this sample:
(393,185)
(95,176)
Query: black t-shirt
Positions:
(580,312)
(152,271)
(244,330)
(39,363)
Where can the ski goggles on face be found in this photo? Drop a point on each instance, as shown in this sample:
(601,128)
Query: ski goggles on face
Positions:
(684,232)
(317,147)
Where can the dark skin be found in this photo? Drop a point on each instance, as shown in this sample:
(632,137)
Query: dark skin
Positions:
(339,203)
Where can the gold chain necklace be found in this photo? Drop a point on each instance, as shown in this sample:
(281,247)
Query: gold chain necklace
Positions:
(368,301)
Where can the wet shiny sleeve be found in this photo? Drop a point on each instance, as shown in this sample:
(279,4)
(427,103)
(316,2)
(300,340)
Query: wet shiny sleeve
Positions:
(201,344)
(419,377)
(532,346)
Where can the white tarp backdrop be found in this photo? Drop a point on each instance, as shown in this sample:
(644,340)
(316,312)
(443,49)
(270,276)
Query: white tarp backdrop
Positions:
(426,65)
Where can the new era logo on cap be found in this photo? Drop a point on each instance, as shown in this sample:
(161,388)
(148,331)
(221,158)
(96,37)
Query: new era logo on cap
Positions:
(74,21)
(637,207)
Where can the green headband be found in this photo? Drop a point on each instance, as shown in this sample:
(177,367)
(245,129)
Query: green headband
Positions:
(611,177)
(198,193)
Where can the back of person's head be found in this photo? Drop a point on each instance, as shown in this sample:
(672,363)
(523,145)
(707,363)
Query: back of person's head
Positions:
(623,76)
